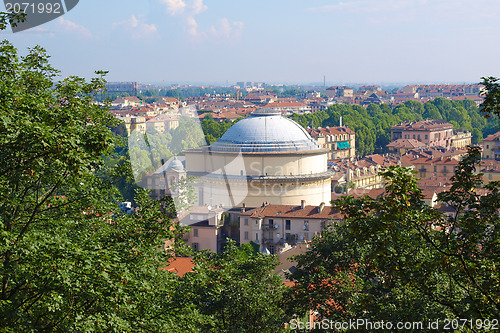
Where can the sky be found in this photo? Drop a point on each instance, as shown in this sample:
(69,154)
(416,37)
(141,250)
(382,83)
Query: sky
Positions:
(274,41)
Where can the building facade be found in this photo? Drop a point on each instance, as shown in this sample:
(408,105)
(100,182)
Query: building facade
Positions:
(276,226)
(340,141)
(433,133)
(491,147)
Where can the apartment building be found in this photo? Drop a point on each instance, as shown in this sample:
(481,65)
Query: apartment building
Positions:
(491,147)
(432,133)
(340,141)
(276,226)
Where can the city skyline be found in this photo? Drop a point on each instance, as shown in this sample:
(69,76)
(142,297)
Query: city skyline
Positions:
(292,42)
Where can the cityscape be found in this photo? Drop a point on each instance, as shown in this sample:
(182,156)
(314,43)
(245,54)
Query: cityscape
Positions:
(202,166)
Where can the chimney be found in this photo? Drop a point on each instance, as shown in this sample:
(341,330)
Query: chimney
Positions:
(302,204)
(321,206)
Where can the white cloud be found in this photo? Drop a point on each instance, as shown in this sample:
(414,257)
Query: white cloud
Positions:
(198,7)
(71,26)
(174,7)
(188,10)
(137,27)
(192,26)
(227,30)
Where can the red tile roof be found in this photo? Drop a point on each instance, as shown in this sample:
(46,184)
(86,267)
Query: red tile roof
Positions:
(311,212)
(329,131)
(424,125)
(180,265)
(492,137)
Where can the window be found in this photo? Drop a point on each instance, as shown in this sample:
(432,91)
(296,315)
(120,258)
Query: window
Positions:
(306,236)
(487,146)
(435,168)
(419,137)
(196,246)
(287,224)
(413,136)
(246,235)
(257,237)
(246,222)
(306,225)
(407,136)
(195,232)
(426,137)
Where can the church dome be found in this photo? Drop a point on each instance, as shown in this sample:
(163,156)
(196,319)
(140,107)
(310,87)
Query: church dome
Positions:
(265,131)
(176,165)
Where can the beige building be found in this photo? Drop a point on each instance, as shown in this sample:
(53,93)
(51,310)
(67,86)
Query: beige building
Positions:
(206,228)
(276,226)
(339,91)
(262,158)
(402,146)
(162,123)
(363,173)
(432,133)
(461,139)
(124,102)
(436,167)
(491,146)
(340,141)
(490,170)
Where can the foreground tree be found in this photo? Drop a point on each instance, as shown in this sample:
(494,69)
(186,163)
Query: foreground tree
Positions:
(68,261)
(235,291)
(396,259)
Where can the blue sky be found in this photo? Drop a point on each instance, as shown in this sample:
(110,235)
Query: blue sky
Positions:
(288,41)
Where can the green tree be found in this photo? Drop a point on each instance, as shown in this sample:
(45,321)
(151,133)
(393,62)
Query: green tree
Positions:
(491,93)
(414,106)
(395,258)
(69,261)
(236,291)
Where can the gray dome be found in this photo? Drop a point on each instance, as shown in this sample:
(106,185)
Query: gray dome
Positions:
(265,131)
(176,165)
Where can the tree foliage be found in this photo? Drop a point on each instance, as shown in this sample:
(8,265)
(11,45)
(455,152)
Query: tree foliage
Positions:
(395,258)
(69,261)
(235,290)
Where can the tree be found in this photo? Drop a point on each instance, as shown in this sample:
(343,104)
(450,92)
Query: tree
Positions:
(394,258)
(236,291)
(70,261)
(491,93)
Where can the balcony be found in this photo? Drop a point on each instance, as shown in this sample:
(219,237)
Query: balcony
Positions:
(267,240)
(269,227)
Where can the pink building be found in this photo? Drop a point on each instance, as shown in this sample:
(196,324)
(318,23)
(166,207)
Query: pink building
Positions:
(433,133)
